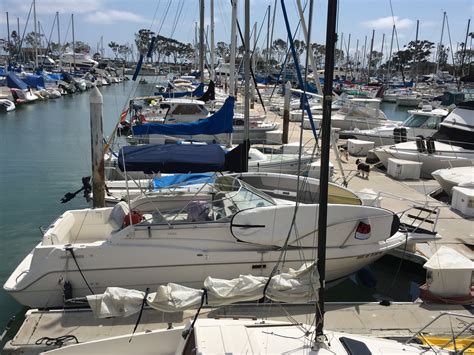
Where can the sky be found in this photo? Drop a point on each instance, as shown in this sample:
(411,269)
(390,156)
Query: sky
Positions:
(119,20)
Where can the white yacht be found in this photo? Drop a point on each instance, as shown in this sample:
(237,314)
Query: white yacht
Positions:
(81,60)
(352,115)
(223,227)
(452,145)
(422,122)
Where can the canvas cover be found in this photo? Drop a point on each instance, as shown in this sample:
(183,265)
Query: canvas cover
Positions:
(172,158)
(199,91)
(219,122)
(292,286)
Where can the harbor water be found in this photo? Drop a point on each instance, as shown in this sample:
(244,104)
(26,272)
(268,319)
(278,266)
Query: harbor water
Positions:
(44,153)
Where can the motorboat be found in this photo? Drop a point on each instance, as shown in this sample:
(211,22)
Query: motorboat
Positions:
(449,178)
(352,115)
(409,98)
(424,122)
(6,105)
(80,60)
(226,226)
(23,96)
(450,146)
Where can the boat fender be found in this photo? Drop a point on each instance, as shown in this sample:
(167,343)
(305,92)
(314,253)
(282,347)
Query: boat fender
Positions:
(135,218)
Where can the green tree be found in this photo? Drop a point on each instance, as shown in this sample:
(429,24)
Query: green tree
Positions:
(443,55)
(114,47)
(279,47)
(222,50)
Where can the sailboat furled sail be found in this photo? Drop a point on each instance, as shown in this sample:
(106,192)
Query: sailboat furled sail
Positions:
(292,286)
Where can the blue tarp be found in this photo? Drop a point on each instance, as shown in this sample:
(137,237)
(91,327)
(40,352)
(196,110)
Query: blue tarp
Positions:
(34,81)
(3,71)
(177,179)
(172,158)
(199,91)
(56,76)
(14,82)
(219,122)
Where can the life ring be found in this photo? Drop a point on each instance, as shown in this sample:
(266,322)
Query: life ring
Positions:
(135,218)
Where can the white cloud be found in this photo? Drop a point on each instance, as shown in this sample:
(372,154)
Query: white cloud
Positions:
(383,23)
(51,6)
(108,17)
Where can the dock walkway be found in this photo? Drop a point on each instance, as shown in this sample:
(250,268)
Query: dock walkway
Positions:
(400,320)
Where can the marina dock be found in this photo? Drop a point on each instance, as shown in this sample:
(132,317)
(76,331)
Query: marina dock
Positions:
(399,320)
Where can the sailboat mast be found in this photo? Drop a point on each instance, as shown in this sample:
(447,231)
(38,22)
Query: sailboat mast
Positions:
(212,42)
(73,42)
(440,42)
(370,57)
(233,39)
(36,35)
(201,39)
(331,37)
(246,142)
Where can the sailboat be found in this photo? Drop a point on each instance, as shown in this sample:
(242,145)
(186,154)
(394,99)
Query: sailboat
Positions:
(218,336)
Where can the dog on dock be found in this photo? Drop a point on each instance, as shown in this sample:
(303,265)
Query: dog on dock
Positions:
(363,169)
(344,154)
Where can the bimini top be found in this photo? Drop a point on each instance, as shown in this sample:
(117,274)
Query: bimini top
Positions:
(219,122)
(172,158)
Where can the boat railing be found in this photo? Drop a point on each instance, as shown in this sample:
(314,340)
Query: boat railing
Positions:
(464,321)
(422,212)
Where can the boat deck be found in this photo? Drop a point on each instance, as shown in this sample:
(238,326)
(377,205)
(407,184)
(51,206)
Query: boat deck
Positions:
(400,320)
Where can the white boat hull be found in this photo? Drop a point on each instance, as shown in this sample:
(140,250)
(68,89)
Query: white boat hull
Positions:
(445,156)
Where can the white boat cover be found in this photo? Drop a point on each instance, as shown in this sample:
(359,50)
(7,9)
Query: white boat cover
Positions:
(292,286)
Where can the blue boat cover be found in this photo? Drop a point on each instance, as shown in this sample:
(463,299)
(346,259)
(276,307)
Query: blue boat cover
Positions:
(219,122)
(14,82)
(2,71)
(199,91)
(179,179)
(172,158)
(55,76)
(34,81)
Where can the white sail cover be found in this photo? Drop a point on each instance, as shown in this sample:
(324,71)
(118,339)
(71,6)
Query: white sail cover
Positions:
(292,286)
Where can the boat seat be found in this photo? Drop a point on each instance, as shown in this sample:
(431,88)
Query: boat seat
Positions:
(117,215)
(198,211)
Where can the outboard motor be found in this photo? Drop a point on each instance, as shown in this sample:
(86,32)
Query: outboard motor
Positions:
(400,135)
(430,145)
(420,144)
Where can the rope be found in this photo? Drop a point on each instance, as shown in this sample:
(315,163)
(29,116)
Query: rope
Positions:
(147,291)
(70,249)
(203,299)
(59,341)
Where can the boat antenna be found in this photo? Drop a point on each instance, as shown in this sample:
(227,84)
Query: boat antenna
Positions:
(331,37)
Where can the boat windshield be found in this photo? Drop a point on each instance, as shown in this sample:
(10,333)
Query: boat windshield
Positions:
(416,121)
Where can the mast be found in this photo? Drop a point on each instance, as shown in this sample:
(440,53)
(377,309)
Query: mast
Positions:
(73,42)
(233,40)
(311,57)
(201,39)
(271,34)
(417,52)
(357,59)
(36,35)
(440,42)
(246,142)
(370,56)
(348,57)
(267,54)
(8,29)
(464,52)
(324,175)
(364,53)
(390,54)
(212,71)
